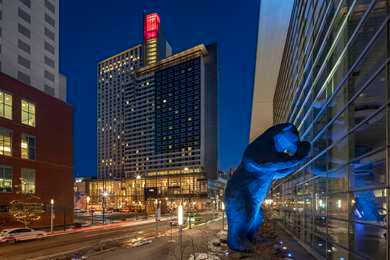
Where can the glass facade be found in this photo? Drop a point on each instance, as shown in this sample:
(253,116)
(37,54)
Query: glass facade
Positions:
(140,194)
(334,85)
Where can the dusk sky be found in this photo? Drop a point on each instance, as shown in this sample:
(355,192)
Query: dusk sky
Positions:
(93,30)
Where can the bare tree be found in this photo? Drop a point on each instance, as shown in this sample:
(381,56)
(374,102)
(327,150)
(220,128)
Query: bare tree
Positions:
(27,211)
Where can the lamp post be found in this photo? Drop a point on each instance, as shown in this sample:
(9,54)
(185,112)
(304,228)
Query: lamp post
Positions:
(86,206)
(180,216)
(105,194)
(136,196)
(51,215)
(223,215)
(88,200)
(156,202)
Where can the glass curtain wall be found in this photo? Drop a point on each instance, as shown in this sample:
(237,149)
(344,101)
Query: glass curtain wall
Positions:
(336,68)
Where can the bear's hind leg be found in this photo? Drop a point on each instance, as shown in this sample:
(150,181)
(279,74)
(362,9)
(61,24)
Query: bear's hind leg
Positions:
(255,225)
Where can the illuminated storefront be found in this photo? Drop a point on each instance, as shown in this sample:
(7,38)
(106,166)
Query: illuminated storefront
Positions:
(140,194)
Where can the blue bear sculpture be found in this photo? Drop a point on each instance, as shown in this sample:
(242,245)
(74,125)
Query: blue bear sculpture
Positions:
(271,156)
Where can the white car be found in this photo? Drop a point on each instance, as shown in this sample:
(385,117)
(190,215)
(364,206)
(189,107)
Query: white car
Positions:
(20,234)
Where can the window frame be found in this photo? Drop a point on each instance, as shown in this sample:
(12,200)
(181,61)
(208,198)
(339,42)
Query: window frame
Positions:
(2,167)
(29,103)
(28,170)
(23,135)
(4,105)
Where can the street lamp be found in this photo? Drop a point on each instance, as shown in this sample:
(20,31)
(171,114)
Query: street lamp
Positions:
(223,215)
(105,194)
(157,204)
(138,177)
(88,200)
(51,215)
(180,216)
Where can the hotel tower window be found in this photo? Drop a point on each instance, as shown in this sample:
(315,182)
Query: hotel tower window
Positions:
(28,180)
(28,147)
(5,105)
(28,113)
(5,142)
(5,179)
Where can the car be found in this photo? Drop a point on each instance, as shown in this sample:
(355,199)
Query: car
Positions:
(13,235)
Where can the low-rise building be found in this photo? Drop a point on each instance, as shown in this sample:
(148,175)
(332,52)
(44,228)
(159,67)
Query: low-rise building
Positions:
(35,152)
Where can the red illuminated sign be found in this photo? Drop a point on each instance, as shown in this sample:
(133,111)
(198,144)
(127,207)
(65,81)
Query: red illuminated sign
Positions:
(151,26)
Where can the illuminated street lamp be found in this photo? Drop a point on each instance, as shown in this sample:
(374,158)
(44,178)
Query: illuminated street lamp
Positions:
(223,215)
(51,215)
(105,195)
(180,218)
(88,200)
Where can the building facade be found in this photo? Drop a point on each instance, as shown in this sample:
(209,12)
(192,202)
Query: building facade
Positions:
(274,17)
(113,74)
(157,121)
(334,86)
(35,152)
(29,44)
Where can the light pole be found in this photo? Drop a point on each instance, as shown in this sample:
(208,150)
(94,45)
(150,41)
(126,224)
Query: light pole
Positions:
(156,202)
(86,206)
(51,215)
(105,194)
(136,196)
(223,215)
(88,200)
(180,216)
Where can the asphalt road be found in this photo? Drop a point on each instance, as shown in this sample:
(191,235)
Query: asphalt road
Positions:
(69,242)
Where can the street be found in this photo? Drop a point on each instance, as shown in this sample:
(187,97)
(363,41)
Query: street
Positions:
(76,241)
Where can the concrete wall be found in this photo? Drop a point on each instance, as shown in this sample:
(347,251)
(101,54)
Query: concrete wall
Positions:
(273,25)
(10,51)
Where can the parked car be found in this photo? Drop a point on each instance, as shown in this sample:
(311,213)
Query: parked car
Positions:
(13,235)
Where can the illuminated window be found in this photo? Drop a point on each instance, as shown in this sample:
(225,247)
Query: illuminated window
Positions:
(28,113)
(5,142)
(5,105)
(28,180)
(5,179)
(28,147)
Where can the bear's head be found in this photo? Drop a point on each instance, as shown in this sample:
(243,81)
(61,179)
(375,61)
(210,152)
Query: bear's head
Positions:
(278,150)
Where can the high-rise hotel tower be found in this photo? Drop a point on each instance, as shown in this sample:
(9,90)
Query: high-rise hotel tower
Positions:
(157,116)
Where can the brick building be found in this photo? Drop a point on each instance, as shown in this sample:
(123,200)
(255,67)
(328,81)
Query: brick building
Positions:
(35,151)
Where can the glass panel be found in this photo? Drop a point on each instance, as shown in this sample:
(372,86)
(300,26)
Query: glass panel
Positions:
(5,105)
(369,206)
(28,180)
(338,206)
(28,147)
(368,240)
(5,179)
(5,142)
(338,232)
(28,113)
